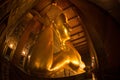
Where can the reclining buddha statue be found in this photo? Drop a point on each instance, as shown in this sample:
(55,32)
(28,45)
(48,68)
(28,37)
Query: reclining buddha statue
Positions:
(53,50)
(51,53)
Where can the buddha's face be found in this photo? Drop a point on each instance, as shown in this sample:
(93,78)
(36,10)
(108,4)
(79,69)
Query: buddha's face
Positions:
(62,28)
(59,24)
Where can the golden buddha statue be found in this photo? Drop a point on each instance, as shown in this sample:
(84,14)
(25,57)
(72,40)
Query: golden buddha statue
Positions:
(53,50)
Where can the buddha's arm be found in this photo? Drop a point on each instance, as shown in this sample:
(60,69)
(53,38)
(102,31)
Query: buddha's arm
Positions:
(60,60)
(69,57)
(75,57)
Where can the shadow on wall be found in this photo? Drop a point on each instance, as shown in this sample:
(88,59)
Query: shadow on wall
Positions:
(112,6)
